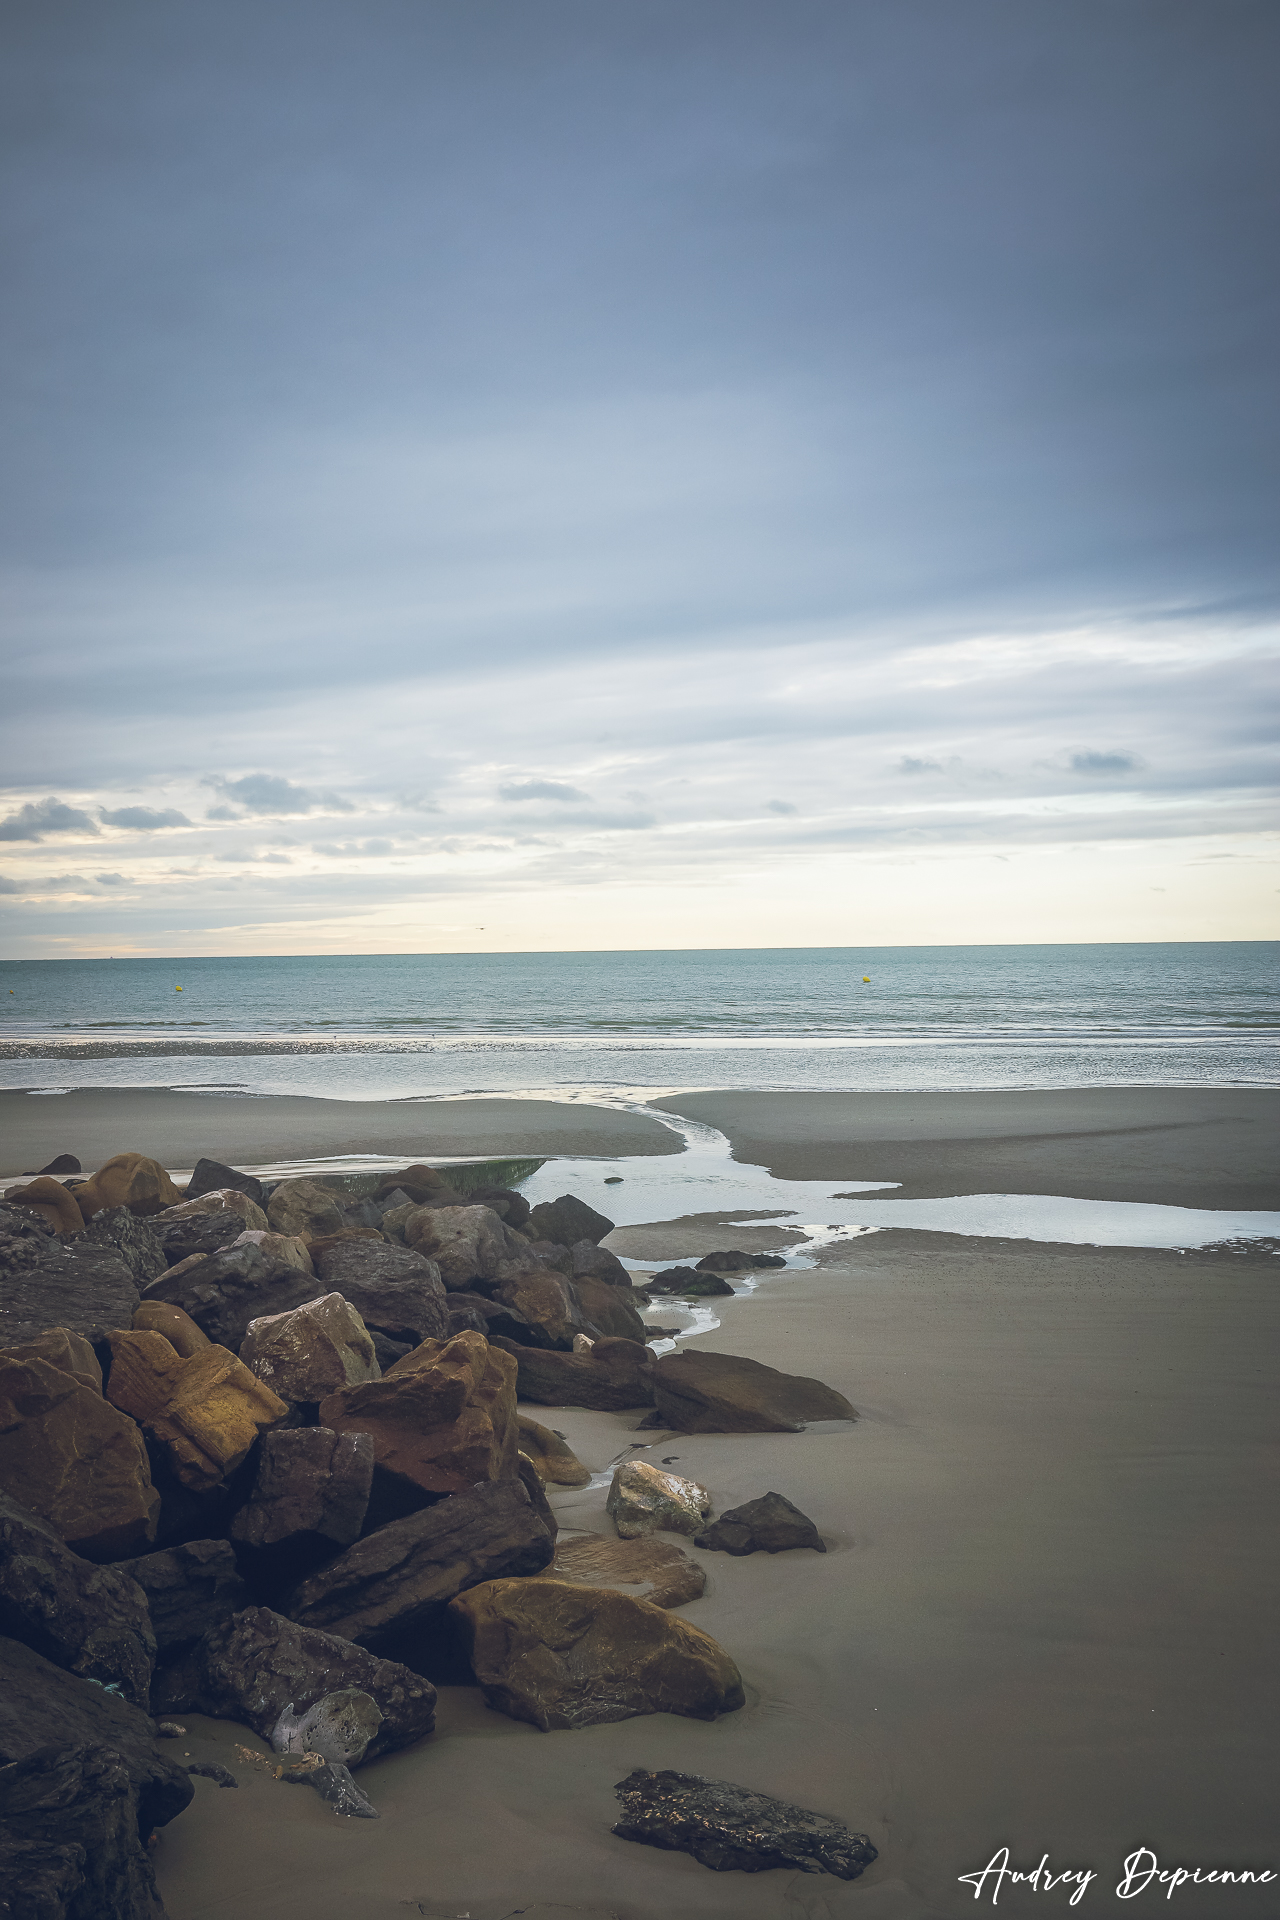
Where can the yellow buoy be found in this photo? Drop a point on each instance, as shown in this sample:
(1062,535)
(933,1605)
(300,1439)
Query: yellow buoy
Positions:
(177,989)
(866,981)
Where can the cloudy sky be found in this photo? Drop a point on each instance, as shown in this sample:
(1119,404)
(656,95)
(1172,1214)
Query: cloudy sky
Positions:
(534,474)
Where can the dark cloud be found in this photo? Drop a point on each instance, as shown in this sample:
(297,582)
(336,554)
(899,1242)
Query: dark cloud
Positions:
(269,793)
(34,820)
(541,790)
(143,819)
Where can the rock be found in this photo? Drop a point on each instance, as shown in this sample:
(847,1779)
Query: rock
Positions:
(64,1163)
(218,1200)
(389,1351)
(134,1240)
(309,1498)
(551,1454)
(731,1828)
(46,1282)
(340,1727)
(198,1234)
(259,1663)
(424,1186)
(210,1770)
(128,1180)
(543,1308)
(287,1250)
(69,1352)
(75,1461)
(175,1326)
(644,1499)
(563,1655)
(569,1220)
(531,1480)
(646,1568)
(321,1242)
(188,1590)
(616,1374)
(686,1281)
(546,1253)
(312,1351)
(70,1848)
(43,1707)
(443,1418)
(699,1392)
(210,1176)
(229,1289)
(89,1620)
(587,1261)
(465,1317)
(735,1261)
(51,1201)
(504,1201)
(303,1206)
(395,1291)
(206,1411)
(397,1581)
(767,1525)
(610,1309)
(466,1243)
(333,1782)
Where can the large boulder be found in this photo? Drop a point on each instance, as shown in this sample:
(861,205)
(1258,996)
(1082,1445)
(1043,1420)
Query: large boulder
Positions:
(732,1828)
(225,1292)
(441,1419)
(568,1220)
(127,1180)
(288,1250)
(206,1411)
(699,1392)
(551,1454)
(544,1310)
(50,1201)
(587,1261)
(216,1200)
(767,1525)
(312,1351)
(189,1590)
(565,1655)
(646,1568)
(505,1202)
(258,1663)
(41,1706)
(398,1580)
(69,1352)
(467,1243)
(177,1327)
(133,1239)
(610,1309)
(76,1461)
(46,1282)
(643,1499)
(395,1291)
(198,1232)
(303,1206)
(91,1621)
(70,1848)
(614,1375)
(211,1176)
(309,1499)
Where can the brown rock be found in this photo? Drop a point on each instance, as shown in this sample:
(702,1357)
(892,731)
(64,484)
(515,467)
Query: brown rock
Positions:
(466,1243)
(646,1569)
(770,1524)
(70,1352)
(543,1301)
(303,1206)
(52,1201)
(551,1455)
(531,1481)
(322,1243)
(75,1461)
(395,1291)
(128,1180)
(643,1499)
(610,1309)
(699,1392)
(442,1418)
(615,1374)
(175,1326)
(206,1410)
(398,1579)
(312,1351)
(564,1655)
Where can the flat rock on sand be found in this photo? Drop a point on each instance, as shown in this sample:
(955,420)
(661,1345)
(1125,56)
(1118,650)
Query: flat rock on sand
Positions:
(699,1392)
(645,1568)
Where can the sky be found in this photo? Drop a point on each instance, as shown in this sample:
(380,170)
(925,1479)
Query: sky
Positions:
(530,475)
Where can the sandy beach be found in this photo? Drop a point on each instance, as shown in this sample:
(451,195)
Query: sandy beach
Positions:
(1042,1621)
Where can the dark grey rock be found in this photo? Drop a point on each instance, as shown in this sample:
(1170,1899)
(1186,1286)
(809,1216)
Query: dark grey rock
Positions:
(65,1163)
(92,1621)
(696,1391)
(611,1311)
(549,1253)
(465,1319)
(505,1201)
(210,1770)
(46,1282)
(202,1233)
(333,1782)
(394,1290)
(259,1663)
(188,1590)
(242,1283)
(387,1352)
(70,1848)
(310,1496)
(733,1260)
(732,1829)
(569,1220)
(590,1262)
(689,1282)
(767,1525)
(401,1578)
(210,1176)
(616,1374)
(134,1239)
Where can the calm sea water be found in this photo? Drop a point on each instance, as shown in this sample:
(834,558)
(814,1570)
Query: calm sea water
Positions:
(418,1025)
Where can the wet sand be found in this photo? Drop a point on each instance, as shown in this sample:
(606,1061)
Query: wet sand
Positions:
(1171,1146)
(1042,1622)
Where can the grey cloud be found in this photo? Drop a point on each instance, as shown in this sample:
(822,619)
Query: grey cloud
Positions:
(34,820)
(269,793)
(10,886)
(223,813)
(909,764)
(143,819)
(354,850)
(779,806)
(1114,762)
(541,790)
(112,880)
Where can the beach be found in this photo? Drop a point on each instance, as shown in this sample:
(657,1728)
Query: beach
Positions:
(1041,1621)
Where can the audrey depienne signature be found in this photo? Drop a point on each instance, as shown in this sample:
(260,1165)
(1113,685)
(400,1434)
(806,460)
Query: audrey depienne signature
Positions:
(1142,1872)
